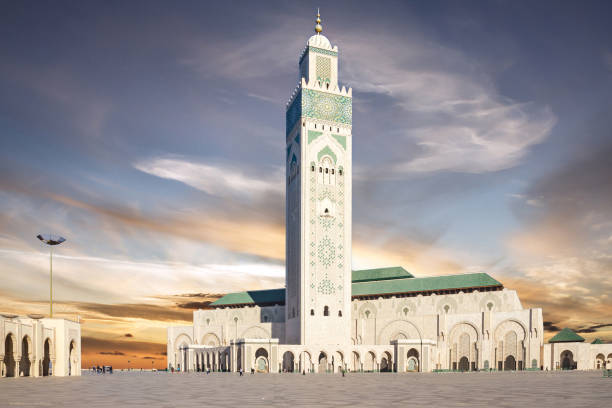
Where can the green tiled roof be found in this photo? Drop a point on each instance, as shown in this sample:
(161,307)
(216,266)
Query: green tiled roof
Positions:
(259,297)
(371,283)
(465,281)
(597,341)
(395,272)
(565,336)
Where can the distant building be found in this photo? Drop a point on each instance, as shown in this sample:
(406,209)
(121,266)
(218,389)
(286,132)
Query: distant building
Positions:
(34,346)
(329,317)
(568,351)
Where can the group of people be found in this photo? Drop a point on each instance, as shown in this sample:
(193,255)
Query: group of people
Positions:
(102,370)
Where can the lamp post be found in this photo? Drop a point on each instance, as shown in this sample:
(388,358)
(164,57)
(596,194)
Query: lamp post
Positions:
(51,240)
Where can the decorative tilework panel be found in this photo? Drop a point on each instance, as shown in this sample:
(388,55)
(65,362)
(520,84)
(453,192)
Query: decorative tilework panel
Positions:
(341,139)
(327,151)
(326,106)
(323,68)
(312,135)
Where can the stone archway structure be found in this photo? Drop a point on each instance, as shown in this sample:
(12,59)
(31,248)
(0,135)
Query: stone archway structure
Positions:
(25,364)
(386,362)
(567,360)
(255,332)
(510,336)
(464,340)
(10,350)
(180,354)
(73,359)
(412,362)
(46,361)
(211,339)
(262,362)
(288,362)
(398,329)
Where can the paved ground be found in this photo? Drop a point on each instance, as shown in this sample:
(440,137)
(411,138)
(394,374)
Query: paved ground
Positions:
(528,389)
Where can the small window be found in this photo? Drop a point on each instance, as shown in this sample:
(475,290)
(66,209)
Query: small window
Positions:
(326,311)
(265,318)
(339,313)
(320,169)
(332,171)
(326,170)
(312,312)
(315,125)
(303,124)
(338,130)
(490,306)
(340,172)
(312,168)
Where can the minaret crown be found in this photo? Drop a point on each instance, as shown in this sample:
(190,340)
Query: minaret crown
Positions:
(318,26)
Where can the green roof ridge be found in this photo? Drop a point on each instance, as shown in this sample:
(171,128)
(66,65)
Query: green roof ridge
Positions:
(261,297)
(381,286)
(566,336)
(378,274)
(428,284)
(597,341)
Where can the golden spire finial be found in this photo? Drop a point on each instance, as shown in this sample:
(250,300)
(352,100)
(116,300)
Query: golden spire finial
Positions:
(318,27)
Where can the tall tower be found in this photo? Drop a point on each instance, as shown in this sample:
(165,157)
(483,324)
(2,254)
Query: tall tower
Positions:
(318,206)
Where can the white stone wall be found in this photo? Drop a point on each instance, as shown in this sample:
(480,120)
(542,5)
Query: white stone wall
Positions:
(582,356)
(28,336)
(437,332)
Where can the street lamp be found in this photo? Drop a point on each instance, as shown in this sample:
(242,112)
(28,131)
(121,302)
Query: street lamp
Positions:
(51,240)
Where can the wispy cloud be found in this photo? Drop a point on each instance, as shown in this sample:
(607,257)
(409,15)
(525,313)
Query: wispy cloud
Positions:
(218,180)
(456,118)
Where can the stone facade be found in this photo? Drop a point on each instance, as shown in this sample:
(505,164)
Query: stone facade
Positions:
(35,346)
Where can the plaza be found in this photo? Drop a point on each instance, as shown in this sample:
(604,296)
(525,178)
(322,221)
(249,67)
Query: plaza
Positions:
(161,389)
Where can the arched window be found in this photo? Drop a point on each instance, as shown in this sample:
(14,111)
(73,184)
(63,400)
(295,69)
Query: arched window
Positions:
(326,311)
(339,313)
(312,312)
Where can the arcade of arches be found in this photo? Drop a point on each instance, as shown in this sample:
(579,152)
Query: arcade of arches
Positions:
(28,349)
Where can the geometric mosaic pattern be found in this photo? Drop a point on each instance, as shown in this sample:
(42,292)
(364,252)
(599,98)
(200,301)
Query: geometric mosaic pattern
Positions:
(328,107)
(323,69)
(313,104)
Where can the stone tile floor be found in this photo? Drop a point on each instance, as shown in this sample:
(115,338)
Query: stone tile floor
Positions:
(146,389)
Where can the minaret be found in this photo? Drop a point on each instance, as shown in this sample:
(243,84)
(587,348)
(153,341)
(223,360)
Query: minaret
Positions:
(318,206)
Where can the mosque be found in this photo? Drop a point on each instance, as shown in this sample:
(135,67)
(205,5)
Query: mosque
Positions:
(329,317)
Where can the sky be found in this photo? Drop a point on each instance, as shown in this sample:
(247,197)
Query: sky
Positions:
(150,134)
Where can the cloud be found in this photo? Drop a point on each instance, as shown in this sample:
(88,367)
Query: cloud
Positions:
(452,113)
(215,180)
(128,335)
(112,353)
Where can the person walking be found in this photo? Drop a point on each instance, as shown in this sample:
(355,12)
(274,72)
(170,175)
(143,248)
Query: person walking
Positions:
(241,373)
